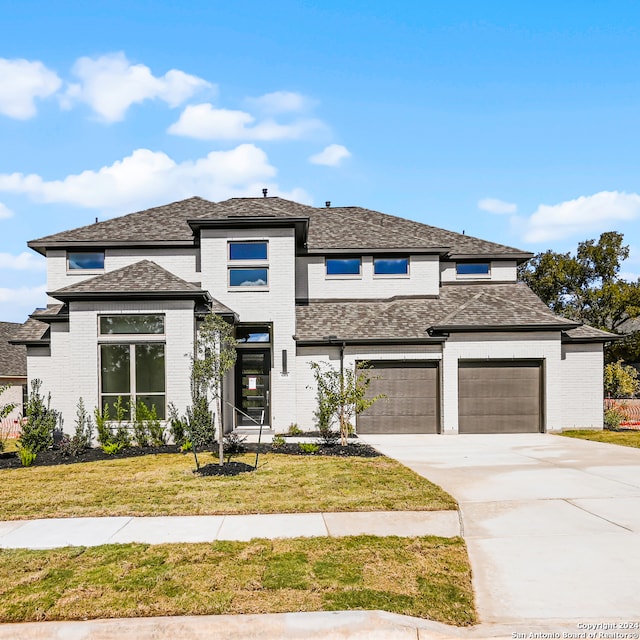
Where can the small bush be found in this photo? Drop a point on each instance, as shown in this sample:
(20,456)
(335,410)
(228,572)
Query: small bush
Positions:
(121,435)
(105,433)
(308,447)
(112,448)
(177,426)
(278,442)
(156,430)
(186,446)
(140,430)
(613,417)
(294,430)
(37,432)
(234,443)
(27,456)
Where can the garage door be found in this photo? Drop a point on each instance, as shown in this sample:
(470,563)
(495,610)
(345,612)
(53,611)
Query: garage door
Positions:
(499,397)
(411,404)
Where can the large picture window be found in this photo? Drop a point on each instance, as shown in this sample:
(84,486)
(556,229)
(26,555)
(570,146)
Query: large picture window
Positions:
(248,277)
(135,373)
(390,266)
(248,250)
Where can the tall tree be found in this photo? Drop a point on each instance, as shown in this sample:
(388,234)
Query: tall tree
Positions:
(587,286)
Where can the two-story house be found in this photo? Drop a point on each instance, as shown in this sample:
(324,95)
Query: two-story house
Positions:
(456,343)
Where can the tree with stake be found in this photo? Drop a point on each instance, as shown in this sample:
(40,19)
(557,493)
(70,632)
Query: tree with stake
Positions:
(214,355)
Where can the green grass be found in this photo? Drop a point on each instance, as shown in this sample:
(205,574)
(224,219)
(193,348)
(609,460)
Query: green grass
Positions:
(624,438)
(427,577)
(165,485)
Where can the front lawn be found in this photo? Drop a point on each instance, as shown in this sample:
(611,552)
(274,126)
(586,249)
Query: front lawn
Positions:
(164,484)
(624,438)
(427,577)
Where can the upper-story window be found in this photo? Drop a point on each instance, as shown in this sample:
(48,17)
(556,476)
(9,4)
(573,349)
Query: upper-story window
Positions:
(391,266)
(343,266)
(473,269)
(248,266)
(131,324)
(248,251)
(85,261)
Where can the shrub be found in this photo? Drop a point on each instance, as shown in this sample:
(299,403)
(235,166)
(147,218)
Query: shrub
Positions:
(234,443)
(308,447)
(112,448)
(278,442)
(156,430)
(27,456)
(37,432)
(294,429)
(613,417)
(177,426)
(121,435)
(105,434)
(186,446)
(81,439)
(620,380)
(140,430)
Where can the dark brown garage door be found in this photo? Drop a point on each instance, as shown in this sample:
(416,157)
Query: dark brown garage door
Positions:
(411,404)
(499,397)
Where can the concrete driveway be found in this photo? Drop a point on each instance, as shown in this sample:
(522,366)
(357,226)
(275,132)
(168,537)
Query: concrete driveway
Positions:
(552,524)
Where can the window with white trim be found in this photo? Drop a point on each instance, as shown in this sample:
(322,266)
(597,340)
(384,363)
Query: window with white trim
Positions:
(248,266)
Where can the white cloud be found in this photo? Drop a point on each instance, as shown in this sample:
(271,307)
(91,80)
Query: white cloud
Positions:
(21,82)
(17,304)
(205,122)
(24,261)
(110,84)
(331,156)
(494,205)
(147,178)
(584,214)
(280,102)
(5,212)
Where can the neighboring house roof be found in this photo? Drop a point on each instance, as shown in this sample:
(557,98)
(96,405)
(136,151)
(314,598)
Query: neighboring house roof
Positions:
(478,307)
(13,358)
(142,279)
(330,228)
(31,332)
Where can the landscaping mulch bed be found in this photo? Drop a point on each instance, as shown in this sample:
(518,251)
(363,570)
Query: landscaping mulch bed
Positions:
(227,469)
(53,457)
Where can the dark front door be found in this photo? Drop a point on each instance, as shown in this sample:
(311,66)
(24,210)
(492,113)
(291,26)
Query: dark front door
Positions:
(253,369)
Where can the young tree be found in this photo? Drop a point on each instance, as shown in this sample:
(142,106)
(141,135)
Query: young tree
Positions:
(342,393)
(214,355)
(37,432)
(620,381)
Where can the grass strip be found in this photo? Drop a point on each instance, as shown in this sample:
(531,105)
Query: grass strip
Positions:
(164,484)
(428,577)
(623,438)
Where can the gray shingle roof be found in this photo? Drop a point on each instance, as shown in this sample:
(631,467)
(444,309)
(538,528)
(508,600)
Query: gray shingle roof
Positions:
(329,228)
(143,277)
(585,333)
(32,331)
(476,307)
(13,358)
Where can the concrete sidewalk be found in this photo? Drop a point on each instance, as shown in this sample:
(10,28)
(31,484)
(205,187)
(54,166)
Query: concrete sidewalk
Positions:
(90,532)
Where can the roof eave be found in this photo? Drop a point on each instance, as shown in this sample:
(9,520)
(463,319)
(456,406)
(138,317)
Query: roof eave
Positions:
(316,342)
(435,329)
(516,255)
(41,246)
(128,295)
(440,251)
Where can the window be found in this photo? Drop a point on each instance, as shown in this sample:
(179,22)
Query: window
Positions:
(243,271)
(343,266)
(391,266)
(135,373)
(251,334)
(472,269)
(131,325)
(248,277)
(247,251)
(85,261)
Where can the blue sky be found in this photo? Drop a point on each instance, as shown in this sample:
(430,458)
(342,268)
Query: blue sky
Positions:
(515,121)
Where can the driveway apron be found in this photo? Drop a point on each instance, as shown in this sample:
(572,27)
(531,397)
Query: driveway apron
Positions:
(552,524)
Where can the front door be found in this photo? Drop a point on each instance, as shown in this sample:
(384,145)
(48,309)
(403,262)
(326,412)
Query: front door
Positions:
(253,369)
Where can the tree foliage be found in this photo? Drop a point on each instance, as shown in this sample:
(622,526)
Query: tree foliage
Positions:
(620,381)
(37,431)
(342,395)
(586,286)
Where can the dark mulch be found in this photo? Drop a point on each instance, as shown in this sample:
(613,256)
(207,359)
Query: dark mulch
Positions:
(53,457)
(227,469)
(310,434)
